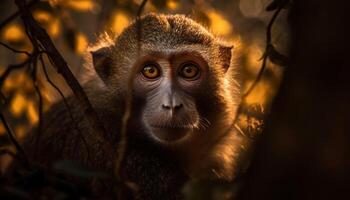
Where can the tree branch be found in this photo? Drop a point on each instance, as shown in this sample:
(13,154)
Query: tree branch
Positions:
(10,68)
(66,104)
(38,33)
(16,14)
(123,138)
(40,98)
(14,50)
(267,48)
(14,141)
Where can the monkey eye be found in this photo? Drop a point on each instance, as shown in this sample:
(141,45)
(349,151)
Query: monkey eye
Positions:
(150,71)
(189,71)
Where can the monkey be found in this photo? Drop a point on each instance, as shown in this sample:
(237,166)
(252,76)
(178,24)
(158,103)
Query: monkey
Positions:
(185,96)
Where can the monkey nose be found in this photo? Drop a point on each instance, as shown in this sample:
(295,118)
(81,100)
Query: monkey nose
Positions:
(171,103)
(172,107)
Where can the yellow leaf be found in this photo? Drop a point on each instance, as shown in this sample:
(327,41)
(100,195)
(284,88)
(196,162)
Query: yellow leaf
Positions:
(13,33)
(14,81)
(119,21)
(32,113)
(81,43)
(80,5)
(260,94)
(172,4)
(218,24)
(254,53)
(42,16)
(50,23)
(18,105)
(54,28)
(20,131)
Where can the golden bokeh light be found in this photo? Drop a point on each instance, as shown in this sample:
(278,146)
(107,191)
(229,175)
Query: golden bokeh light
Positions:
(13,33)
(32,113)
(18,104)
(20,131)
(42,16)
(81,43)
(54,28)
(18,80)
(253,54)
(261,93)
(50,23)
(120,20)
(219,24)
(79,5)
(172,4)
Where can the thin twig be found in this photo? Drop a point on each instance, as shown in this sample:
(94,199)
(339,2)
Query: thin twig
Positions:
(257,79)
(14,50)
(16,14)
(40,106)
(268,44)
(38,33)
(141,8)
(13,140)
(128,100)
(67,106)
(10,68)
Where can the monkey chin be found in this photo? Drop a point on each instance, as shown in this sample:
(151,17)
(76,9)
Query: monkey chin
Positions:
(170,135)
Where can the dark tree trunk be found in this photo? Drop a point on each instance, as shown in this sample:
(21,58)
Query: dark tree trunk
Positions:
(304,152)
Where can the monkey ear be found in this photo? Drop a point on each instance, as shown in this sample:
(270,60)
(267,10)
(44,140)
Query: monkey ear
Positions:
(102,62)
(225,52)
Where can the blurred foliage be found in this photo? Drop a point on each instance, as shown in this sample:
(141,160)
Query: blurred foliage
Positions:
(73,24)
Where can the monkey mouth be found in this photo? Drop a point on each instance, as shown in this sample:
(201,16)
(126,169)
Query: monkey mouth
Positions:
(170,133)
(172,126)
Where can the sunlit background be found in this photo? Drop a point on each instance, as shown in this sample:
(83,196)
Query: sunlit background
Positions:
(73,24)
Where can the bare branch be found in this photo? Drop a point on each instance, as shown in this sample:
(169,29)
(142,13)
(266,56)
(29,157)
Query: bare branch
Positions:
(9,131)
(258,77)
(35,31)
(14,50)
(10,68)
(40,98)
(140,10)
(16,14)
(123,138)
(66,104)
(268,45)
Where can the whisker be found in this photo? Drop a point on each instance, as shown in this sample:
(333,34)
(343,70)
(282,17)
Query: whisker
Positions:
(204,123)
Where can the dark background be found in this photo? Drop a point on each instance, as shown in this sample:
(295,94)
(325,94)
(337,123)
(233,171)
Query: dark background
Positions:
(303,151)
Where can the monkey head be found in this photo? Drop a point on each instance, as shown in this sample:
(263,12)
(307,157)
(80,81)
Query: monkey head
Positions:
(183,81)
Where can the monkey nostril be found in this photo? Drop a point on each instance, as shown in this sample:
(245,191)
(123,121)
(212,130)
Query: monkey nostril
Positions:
(177,107)
(167,107)
(173,107)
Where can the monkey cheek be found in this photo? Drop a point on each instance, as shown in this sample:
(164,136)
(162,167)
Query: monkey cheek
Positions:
(169,135)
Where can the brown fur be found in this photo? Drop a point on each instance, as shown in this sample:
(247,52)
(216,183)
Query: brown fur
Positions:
(213,153)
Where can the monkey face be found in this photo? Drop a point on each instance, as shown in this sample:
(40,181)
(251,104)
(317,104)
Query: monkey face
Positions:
(183,87)
(169,85)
